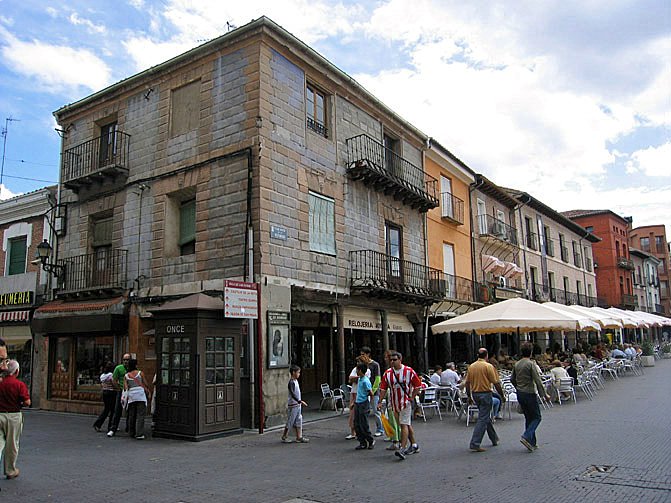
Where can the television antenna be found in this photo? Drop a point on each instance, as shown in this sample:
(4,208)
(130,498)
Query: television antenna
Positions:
(4,144)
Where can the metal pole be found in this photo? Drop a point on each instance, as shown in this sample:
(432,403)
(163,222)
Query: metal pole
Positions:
(4,145)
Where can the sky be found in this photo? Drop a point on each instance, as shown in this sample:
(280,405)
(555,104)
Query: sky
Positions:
(567,100)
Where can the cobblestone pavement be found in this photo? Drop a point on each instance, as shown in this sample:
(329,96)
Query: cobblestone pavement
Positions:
(627,427)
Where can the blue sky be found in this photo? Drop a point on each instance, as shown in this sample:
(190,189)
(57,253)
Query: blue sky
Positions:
(567,100)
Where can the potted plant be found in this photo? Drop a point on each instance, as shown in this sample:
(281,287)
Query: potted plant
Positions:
(666,350)
(648,356)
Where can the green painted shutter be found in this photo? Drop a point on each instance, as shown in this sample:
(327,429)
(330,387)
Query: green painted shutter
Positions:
(17,256)
(187,222)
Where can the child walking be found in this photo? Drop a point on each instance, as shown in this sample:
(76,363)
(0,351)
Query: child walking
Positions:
(294,408)
(363,394)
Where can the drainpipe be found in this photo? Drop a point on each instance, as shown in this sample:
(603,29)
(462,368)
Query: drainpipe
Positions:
(524,248)
(471,189)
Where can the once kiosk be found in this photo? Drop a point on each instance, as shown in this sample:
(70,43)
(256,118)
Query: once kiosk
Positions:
(198,372)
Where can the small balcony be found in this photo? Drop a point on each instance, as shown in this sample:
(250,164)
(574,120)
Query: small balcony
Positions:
(532,241)
(94,274)
(457,288)
(96,161)
(384,170)
(625,263)
(577,259)
(629,302)
(451,208)
(659,309)
(491,227)
(550,247)
(378,275)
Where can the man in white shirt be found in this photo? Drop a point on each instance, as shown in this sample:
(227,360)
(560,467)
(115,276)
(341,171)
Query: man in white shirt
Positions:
(449,377)
(630,351)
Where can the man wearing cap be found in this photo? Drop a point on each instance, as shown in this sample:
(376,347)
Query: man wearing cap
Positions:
(13,396)
(480,378)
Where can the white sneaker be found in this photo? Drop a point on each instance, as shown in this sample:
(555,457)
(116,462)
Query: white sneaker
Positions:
(377,434)
(350,437)
(110,433)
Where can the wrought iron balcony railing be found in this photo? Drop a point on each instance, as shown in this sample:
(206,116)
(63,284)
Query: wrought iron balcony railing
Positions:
(385,276)
(100,271)
(549,247)
(532,241)
(457,288)
(96,159)
(385,171)
(629,301)
(625,263)
(451,208)
(577,259)
(490,226)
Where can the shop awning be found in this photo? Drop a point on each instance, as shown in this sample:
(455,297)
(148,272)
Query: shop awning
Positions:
(100,315)
(14,316)
(512,270)
(492,264)
(368,319)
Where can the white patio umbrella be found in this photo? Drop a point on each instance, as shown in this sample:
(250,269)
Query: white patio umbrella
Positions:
(637,320)
(511,315)
(604,320)
(627,322)
(660,320)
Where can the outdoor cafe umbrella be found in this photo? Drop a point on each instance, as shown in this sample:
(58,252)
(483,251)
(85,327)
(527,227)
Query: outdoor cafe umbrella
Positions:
(602,319)
(512,315)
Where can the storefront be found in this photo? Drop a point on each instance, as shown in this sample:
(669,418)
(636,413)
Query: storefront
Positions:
(74,341)
(312,346)
(17,299)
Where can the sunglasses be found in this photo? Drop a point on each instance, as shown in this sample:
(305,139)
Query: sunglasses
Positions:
(393,359)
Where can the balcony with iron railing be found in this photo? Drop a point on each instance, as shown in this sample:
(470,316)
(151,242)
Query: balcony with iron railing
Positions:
(577,259)
(549,247)
(97,160)
(625,263)
(93,273)
(451,208)
(488,226)
(384,170)
(659,309)
(629,301)
(532,241)
(380,275)
(457,288)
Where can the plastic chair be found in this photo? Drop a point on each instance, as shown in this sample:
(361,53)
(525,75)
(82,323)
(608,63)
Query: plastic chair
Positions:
(565,386)
(428,399)
(327,394)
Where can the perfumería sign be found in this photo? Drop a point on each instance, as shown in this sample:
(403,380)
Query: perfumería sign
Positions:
(16,298)
(240,300)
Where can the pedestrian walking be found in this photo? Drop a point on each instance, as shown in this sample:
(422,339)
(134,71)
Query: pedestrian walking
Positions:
(137,389)
(109,397)
(524,377)
(402,384)
(353,381)
(118,379)
(480,378)
(295,406)
(13,396)
(375,378)
(363,396)
(3,358)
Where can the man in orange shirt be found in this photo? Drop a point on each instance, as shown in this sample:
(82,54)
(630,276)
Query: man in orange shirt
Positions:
(479,380)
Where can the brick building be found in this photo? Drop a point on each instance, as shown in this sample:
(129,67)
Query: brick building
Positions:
(249,158)
(652,239)
(612,263)
(24,224)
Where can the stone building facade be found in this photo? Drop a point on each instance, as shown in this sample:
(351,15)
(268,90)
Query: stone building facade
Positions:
(250,159)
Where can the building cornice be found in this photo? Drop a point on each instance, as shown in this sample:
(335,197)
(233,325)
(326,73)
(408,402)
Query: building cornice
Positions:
(30,205)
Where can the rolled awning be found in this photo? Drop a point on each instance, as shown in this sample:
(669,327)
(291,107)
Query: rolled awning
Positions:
(512,270)
(492,264)
(14,316)
(103,315)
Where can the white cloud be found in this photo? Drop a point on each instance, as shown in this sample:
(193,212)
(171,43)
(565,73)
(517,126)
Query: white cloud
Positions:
(5,193)
(90,25)
(652,161)
(196,21)
(56,68)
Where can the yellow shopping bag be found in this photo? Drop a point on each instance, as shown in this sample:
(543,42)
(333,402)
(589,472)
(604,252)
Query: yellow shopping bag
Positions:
(389,429)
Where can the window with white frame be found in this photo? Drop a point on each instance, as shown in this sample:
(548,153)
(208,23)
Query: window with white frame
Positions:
(322,224)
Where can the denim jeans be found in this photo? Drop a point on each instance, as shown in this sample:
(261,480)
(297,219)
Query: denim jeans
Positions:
(484,403)
(496,406)
(109,399)
(373,409)
(118,412)
(361,423)
(532,415)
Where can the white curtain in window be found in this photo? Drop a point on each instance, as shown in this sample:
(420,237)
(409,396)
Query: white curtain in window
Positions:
(322,224)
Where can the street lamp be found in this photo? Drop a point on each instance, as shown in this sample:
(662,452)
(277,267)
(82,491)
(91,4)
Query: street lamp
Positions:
(44,250)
